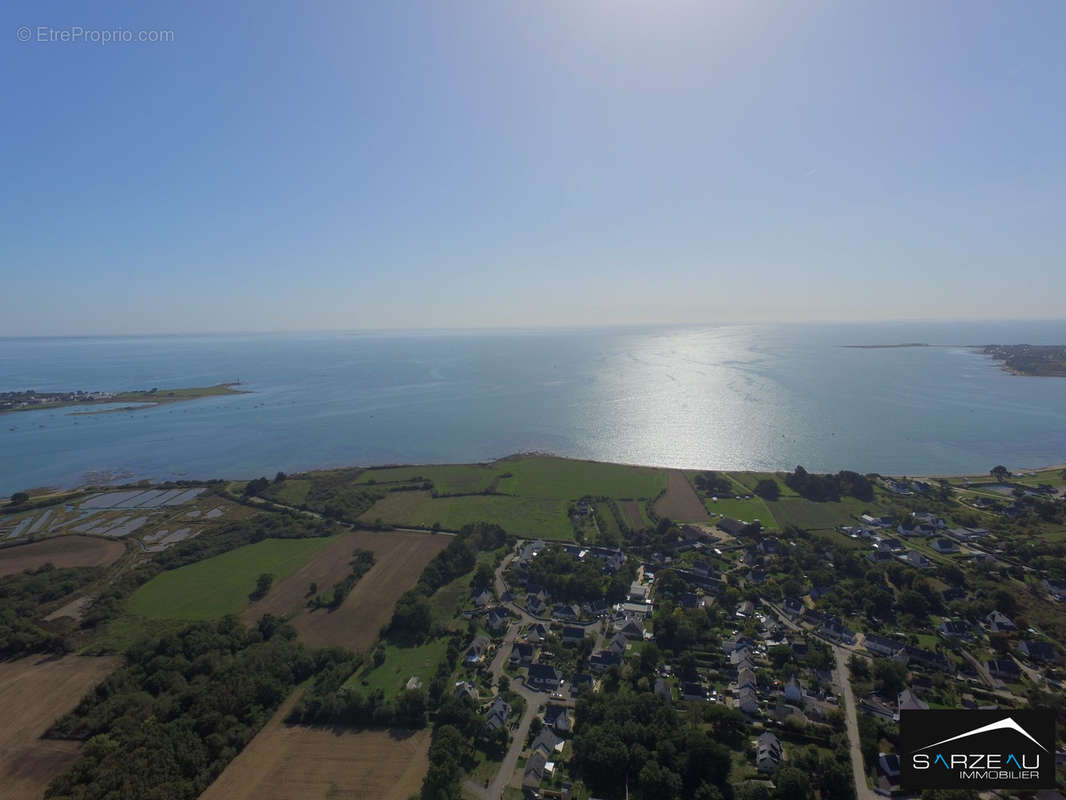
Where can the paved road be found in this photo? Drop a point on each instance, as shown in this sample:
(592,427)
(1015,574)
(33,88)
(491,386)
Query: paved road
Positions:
(494,791)
(851,720)
(862,791)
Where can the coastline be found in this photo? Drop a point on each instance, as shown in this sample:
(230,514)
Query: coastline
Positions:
(143,399)
(128,477)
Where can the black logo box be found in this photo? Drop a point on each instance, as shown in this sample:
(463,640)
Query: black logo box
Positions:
(919,730)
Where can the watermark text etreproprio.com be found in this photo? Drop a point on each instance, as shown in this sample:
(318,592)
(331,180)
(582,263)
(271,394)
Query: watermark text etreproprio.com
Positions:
(76,34)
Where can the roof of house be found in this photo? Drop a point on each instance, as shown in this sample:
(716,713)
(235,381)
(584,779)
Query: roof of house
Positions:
(1003,665)
(498,714)
(999,621)
(955,627)
(546,741)
(747,694)
(882,642)
(618,643)
(1042,651)
(909,701)
(557,716)
(692,689)
(534,772)
(543,672)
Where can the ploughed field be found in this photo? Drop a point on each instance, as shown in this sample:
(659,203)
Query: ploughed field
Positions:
(34,692)
(680,503)
(61,551)
(289,762)
(399,561)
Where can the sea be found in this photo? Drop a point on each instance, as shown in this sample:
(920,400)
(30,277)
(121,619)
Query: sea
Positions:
(699,396)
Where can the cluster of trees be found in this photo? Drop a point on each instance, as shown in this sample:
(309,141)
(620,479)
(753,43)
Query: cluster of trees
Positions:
(830,487)
(714,484)
(768,489)
(348,706)
(22,598)
(361,563)
(184,704)
(635,740)
(681,629)
(413,615)
(18,498)
(262,586)
(256,487)
(569,579)
(451,754)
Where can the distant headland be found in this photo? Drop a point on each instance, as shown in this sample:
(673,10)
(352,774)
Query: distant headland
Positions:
(1030,360)
(1036,360)
(30,400)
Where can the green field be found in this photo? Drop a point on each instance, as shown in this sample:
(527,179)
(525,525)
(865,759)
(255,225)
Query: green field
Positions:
(218,586)
(400,664)
(744,510)
(749,480)
(547,477)
(446,479)
(609,522)
(521,516)
(810,515)
(448,599)
(292,492)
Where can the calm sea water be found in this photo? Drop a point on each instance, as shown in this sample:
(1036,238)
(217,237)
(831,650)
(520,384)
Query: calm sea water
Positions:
(727,397)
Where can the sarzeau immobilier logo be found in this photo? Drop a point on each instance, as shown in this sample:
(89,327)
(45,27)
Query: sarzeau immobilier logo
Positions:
(1004,749)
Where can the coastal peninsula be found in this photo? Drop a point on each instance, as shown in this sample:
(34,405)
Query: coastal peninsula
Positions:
(144,398)
(1034,360)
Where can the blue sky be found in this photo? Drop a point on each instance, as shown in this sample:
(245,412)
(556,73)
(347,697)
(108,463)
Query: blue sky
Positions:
(455,164)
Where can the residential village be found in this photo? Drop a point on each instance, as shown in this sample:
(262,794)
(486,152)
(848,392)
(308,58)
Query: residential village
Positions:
(803,647)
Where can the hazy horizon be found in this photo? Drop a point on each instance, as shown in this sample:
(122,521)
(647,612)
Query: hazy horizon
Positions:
(417,166)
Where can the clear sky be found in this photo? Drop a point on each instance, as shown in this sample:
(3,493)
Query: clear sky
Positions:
(530,162)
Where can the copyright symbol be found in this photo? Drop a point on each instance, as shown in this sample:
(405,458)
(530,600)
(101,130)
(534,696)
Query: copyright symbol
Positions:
(23,33)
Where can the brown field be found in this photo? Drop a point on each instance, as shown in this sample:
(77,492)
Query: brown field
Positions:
(34,692)
(680,503)
(62,551)
(286,762)
(400,559)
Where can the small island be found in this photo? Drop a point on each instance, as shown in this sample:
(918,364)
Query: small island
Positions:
(31,400)
(1035,360)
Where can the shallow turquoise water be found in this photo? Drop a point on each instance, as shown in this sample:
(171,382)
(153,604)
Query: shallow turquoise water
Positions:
(756,396)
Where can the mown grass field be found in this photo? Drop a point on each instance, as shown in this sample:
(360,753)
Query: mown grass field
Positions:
(544,476)
(811,515)
(293,491)
(401,663)
(608,521)
(744,510)
(449,598)
(521,516)
(218,586)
